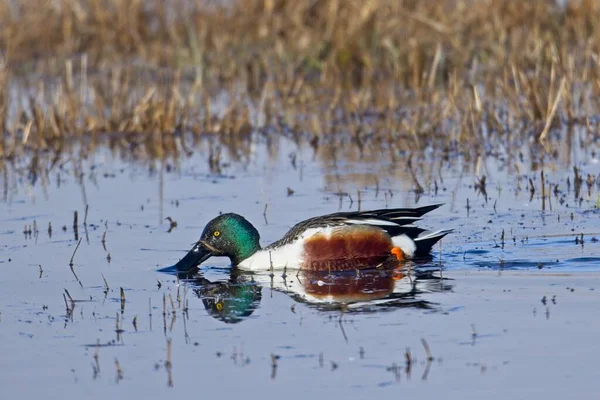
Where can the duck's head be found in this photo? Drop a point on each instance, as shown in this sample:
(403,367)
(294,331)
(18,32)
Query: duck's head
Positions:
(228,235)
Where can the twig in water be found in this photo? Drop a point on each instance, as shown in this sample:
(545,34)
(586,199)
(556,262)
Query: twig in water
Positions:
(122,300)
(341,323)
(71,263)
(173,310)
(543,191)
(150,311)
(408,361)
(427,349)
(429,358)
(75,225)
(185,301)
(103,241)
(531,189)
(118,328)
(426,371)
(35,230)
(66,303)
(70,298)
(178,293)
(395,370)
(87,238)
(119,371)
(274,359)
(265,214)
(106,287)
(169,364)
(173,313)
(164,314)
(96,365)
(172,224)
(185,332)
(69,309)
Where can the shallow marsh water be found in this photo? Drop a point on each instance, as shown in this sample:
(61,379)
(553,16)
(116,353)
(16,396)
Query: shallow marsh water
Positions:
(518,318)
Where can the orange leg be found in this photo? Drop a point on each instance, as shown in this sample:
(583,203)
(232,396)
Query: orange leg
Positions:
(399,254)
(397,251)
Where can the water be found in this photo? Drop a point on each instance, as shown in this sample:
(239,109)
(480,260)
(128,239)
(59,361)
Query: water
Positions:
(516,315)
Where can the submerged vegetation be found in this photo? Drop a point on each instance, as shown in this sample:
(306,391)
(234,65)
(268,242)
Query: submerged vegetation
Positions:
(459,78)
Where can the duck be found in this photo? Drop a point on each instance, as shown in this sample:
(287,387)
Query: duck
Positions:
(334,242)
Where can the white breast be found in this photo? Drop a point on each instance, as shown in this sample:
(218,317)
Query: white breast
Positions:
(288,256)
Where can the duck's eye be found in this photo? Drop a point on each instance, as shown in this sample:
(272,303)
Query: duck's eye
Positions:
(219,306)
(217,233)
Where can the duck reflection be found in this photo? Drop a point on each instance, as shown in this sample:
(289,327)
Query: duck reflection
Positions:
(229,301)
(365,291)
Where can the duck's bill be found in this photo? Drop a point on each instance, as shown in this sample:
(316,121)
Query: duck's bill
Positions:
(196,256)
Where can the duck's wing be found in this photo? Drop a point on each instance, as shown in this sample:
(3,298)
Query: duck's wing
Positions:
(395,221)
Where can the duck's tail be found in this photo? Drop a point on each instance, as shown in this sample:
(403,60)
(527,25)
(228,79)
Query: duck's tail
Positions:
(425,243)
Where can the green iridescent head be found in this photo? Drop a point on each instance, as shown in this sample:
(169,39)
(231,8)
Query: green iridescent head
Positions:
(228,235)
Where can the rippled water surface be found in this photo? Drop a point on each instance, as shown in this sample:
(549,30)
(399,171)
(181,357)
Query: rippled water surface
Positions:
(509,301)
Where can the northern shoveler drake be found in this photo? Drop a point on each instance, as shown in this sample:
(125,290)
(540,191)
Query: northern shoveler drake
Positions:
(340,241)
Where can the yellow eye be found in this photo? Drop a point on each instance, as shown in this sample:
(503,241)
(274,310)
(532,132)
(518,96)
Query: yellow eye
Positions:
(217,233)
(219,306)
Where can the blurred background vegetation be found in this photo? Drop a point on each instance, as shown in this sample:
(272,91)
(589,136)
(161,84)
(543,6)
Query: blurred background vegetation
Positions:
(454,74)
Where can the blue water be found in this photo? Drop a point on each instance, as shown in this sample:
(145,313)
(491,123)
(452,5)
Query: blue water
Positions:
(295,334)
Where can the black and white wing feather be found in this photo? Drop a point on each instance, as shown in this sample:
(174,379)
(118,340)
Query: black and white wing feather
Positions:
(395,221)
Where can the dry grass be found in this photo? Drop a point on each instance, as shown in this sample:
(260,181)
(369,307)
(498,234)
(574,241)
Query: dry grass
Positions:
(458,76)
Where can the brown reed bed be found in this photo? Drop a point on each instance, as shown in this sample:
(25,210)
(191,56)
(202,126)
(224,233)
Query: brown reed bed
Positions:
(150,80)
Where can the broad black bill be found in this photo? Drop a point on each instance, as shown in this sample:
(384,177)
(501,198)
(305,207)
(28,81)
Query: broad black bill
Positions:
(196,256)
